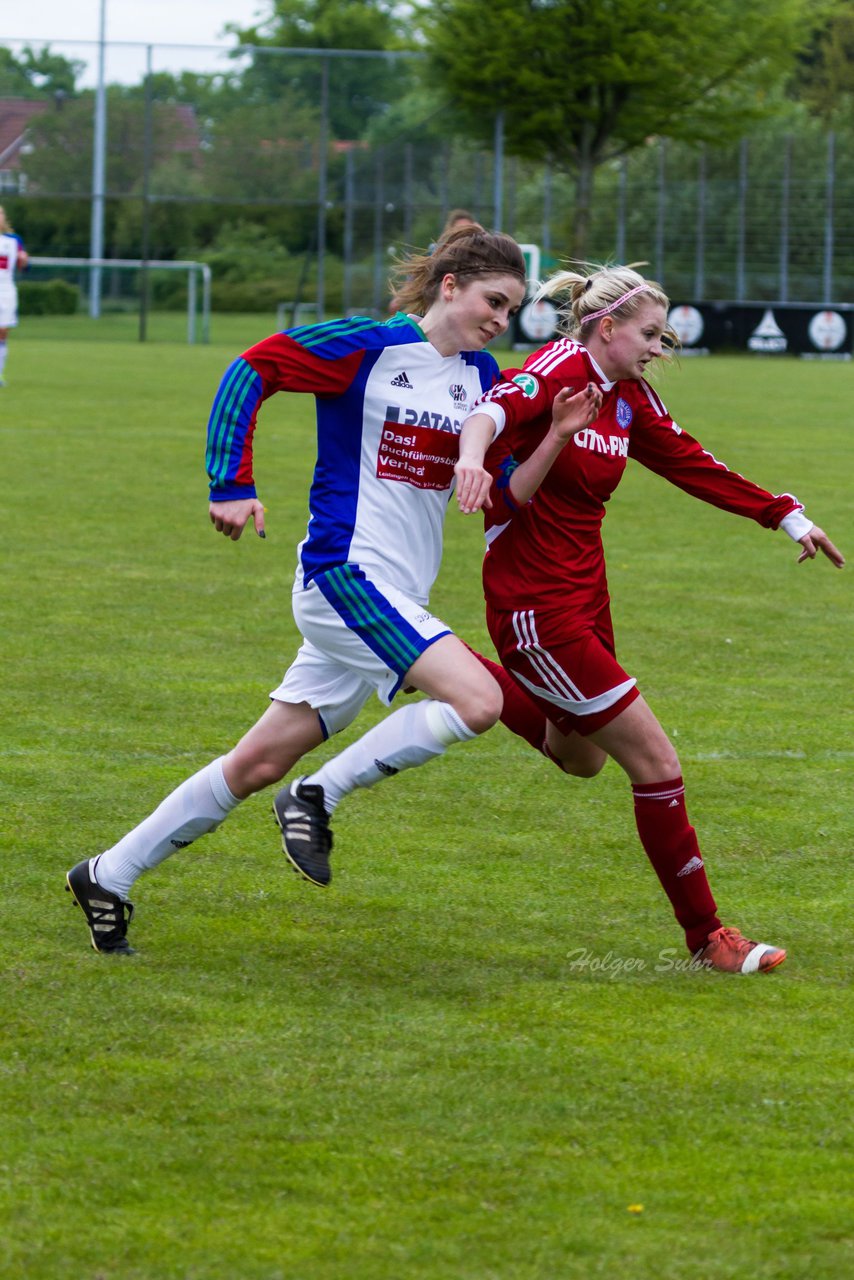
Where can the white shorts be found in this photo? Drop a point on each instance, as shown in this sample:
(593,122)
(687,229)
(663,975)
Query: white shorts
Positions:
(8,308)
(360,636)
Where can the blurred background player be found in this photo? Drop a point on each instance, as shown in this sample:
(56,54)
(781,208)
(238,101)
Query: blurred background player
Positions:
(391,397)
(13,257)
(456,219)
(548,606)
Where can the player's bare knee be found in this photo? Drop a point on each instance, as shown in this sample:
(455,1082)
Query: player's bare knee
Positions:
(483,710)
(254,773)
(661,764)
(585,768)
(580,763)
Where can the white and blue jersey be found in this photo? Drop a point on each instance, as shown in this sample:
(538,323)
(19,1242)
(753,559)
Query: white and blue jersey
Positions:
(12,255)
(390,409)
(11,249)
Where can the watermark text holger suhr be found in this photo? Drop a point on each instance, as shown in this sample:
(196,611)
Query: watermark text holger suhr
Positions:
(613,966)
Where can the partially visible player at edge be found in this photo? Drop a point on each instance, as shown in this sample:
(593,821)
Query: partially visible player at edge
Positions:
(548,607)
(391,398)
(13,258)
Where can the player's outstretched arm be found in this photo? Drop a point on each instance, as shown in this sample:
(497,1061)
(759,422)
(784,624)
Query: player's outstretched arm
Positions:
(817,540)
(473,481)
(232,517)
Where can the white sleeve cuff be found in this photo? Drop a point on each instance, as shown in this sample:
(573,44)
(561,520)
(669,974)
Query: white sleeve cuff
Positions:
(796,524)
(493,411)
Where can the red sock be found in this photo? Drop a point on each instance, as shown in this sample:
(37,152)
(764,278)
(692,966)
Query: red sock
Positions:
(521,714)
(671,846)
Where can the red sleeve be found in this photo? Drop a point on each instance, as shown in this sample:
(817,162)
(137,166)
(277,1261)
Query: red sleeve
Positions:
(522,396)
(286,365)
(279,363)
(663,447)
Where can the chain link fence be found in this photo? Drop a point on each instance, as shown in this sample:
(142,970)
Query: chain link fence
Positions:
(296,175)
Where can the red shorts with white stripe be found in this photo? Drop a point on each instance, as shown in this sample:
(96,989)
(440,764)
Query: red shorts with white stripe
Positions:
(573,676)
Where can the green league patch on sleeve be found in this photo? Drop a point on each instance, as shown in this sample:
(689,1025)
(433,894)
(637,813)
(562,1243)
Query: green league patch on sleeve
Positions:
(527,384)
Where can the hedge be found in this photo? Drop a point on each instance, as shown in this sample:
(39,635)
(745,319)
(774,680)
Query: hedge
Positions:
(48,298)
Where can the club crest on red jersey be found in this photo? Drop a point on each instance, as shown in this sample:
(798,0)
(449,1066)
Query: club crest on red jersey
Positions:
(624,413)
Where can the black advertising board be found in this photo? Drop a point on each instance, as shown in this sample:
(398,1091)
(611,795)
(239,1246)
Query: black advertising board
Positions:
(763,328)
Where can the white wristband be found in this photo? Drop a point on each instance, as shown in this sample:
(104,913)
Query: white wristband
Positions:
(796,524)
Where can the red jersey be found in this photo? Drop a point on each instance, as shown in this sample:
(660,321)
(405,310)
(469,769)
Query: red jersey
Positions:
(548,553)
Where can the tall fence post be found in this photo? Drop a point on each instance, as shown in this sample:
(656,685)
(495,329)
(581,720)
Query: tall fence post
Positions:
(498,173)
(99,151)
(445,182)
(349,166)
(741,244)
(828,217)
(661,210)
(407,193)
(322,185)
(785,196)
(700,243)
(478,184)
(547,210)
(379,255)
(147,149)
(622,184)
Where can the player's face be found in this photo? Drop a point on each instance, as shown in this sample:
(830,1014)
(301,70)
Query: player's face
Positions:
(479,310)
(627,346)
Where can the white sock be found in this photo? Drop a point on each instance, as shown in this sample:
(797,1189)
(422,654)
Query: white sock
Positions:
(408,737)
(197,806)
(3,349)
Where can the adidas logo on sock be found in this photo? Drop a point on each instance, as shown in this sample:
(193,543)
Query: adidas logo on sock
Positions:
(402,381)
(387,769)
(693,864)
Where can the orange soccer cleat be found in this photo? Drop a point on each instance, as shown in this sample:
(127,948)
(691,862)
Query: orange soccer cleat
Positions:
(728,951)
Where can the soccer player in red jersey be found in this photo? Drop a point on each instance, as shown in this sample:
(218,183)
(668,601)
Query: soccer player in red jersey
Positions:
(548,608)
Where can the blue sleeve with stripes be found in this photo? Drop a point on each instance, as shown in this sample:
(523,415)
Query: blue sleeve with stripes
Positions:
(230,430)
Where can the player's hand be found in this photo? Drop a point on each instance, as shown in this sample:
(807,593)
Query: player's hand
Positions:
(232,517)
(473,486)
(573,412)
(817,540)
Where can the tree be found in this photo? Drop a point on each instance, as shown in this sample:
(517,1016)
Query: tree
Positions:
(61,159)
(359,88)
(583,81)
(37,73)
(824,79)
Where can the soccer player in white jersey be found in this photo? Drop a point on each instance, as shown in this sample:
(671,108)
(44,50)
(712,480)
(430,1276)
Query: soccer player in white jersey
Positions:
(391,398)
(548,606)
(13,257)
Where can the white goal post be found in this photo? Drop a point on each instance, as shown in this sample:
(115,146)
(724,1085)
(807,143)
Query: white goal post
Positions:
(194,270)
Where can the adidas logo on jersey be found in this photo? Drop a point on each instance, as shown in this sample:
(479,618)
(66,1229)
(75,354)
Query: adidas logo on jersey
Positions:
(402,381)
(693,864)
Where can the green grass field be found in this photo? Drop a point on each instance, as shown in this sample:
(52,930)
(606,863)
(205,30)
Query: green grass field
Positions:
(473,1057)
